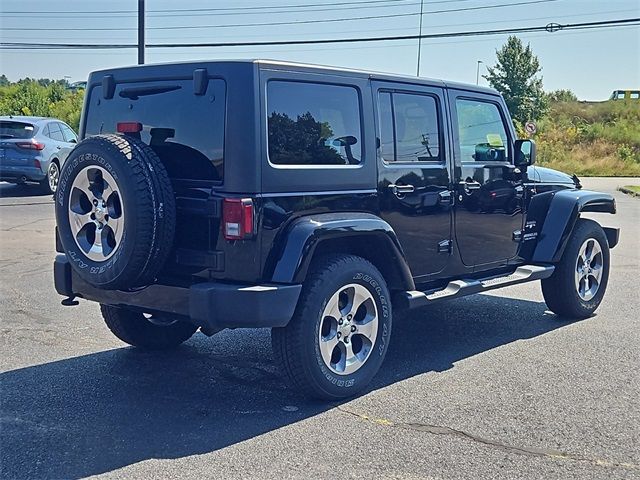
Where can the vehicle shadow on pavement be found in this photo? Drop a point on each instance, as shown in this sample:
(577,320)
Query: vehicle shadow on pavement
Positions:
(10,190)
(96,413)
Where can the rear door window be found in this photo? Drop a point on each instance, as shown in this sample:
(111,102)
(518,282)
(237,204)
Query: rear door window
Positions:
(313,124)
(10,129)
(185,130)
(409,129)
(55,133)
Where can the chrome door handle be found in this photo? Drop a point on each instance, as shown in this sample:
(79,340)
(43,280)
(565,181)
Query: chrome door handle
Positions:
(472,185)
(401,189)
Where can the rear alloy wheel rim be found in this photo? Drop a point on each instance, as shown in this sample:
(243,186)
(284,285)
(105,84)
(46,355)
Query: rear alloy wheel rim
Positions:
(53,176)
(589,267)
(348,329)
(96,213)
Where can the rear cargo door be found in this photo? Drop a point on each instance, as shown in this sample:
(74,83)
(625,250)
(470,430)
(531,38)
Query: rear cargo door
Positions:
(184,123)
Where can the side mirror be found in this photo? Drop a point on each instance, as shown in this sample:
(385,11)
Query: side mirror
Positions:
(345,141)
(525,153)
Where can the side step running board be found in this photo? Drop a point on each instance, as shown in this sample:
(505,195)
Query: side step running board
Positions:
(461,288)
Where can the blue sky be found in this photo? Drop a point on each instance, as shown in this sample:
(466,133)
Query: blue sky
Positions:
(592,63)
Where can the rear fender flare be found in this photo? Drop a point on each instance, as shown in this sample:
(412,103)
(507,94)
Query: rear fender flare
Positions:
(564,209)
(292,256)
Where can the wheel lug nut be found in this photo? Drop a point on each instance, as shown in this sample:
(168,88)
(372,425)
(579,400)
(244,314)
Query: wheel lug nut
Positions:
(353,328)
(340,322)
(346,339)
(95,202)
(349,317)
(339,335)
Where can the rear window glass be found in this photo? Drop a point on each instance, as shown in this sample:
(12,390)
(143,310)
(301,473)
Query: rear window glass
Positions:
(16,130)
(184,129)
(313,124)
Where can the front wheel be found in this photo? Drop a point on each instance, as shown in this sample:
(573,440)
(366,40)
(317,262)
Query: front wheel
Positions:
(578,284)
(339,335)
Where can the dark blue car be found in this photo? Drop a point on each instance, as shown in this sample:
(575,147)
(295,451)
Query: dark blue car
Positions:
(32,149)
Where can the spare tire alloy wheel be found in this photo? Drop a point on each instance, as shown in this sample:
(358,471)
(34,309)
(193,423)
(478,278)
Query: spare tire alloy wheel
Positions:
(115,211)
(96,213)
(348,329)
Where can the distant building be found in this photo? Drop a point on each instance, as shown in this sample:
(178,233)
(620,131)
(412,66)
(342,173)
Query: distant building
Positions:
(75,86)
(625,95)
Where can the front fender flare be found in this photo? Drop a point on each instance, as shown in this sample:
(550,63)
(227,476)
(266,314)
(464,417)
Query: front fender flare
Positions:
(300,240)
(564,209)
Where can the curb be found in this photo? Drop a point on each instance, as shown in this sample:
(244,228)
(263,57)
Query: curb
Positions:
(629,192)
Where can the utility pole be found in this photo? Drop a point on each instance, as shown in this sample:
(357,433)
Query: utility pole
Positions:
(420,39)
(140,32)
(478,72)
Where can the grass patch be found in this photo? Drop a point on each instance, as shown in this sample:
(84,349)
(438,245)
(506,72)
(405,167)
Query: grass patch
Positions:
(591,139)
(633,188)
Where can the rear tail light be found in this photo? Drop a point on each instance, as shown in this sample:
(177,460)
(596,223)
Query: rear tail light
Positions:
(31,145)
(129,127)
(237,218)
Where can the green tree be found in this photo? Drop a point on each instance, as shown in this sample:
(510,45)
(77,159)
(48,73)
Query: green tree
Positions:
(515,76)
(562,96)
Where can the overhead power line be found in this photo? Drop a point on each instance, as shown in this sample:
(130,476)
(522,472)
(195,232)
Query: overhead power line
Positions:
(552,27)
(236,9)
(261,24)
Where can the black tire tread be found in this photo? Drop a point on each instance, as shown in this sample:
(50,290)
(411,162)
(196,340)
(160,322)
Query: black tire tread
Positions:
(133,328)
(156,213)
(559,289)
(287,341)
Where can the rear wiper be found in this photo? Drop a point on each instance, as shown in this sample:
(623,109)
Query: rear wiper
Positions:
(136,92)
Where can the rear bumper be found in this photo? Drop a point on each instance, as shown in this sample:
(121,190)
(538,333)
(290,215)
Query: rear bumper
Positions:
(20,173)
(210,305)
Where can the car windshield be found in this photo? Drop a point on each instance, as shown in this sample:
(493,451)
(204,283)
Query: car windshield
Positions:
(16,130)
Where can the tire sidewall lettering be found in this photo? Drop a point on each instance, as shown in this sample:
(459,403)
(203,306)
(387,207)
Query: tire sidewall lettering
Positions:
(351,380)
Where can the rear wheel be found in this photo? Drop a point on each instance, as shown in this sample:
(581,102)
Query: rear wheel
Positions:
(146,331)
(579,282)
(338,337)
(50,183)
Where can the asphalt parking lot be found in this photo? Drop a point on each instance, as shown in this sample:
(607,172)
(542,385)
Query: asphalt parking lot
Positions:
(490,386)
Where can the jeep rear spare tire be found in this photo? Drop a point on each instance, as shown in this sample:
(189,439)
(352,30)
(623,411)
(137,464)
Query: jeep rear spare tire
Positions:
(115,211)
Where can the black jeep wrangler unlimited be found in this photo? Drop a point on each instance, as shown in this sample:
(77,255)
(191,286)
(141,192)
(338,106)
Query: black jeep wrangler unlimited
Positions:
(311,200)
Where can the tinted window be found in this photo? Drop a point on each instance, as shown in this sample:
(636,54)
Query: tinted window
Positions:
(635,95)
(481,132)
(410,123)
(55,133)
(184,129)
(67,133)
(621,95)
(16,130)
(313,124)
(45,131)
(385,112)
